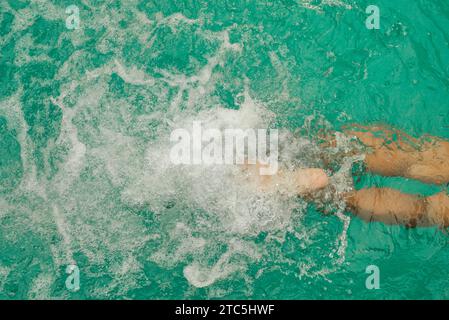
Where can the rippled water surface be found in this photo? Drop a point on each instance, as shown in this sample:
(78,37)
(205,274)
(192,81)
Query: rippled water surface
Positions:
(85,119)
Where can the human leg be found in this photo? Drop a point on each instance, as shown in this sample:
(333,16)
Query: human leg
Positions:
(394,153)
(391,206)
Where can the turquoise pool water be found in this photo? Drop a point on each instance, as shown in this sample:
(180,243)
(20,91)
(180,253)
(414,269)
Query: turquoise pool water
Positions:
(85,113)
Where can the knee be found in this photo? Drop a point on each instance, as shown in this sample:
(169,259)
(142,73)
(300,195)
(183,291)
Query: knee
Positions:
(437,207)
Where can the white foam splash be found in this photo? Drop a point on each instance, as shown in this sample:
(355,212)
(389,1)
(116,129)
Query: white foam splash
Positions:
(201,276)
(201,209)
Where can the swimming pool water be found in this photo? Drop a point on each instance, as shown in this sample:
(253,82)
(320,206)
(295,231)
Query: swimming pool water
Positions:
(85,115)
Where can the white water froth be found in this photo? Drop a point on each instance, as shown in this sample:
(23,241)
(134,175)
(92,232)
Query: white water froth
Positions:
(219,203)
(206,211)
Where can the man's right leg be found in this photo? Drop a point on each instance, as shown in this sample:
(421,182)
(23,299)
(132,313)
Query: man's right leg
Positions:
(390,206)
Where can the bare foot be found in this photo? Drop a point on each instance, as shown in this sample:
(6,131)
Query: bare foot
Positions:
(310,180)
(300,181)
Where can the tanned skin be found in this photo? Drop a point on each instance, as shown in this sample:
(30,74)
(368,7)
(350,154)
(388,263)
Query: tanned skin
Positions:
(390,153)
